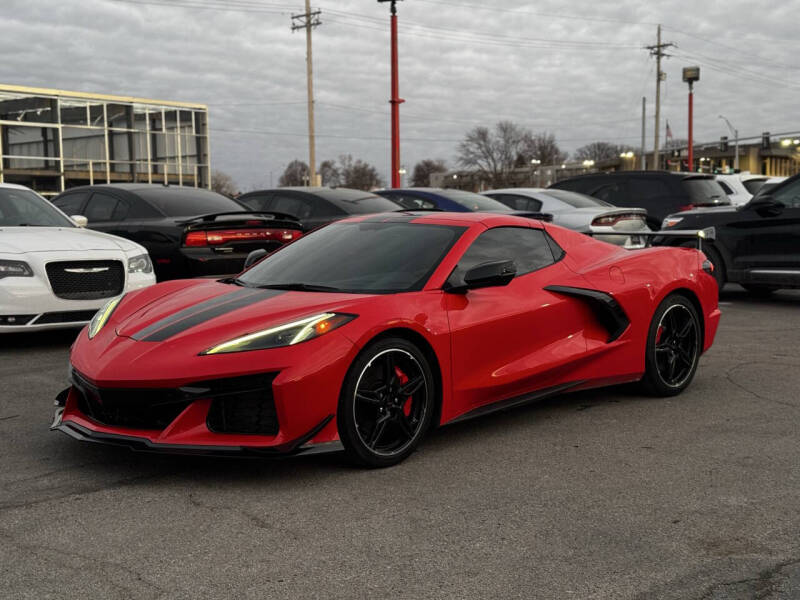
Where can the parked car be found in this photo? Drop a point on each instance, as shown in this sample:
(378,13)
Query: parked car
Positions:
(446,199)
(660,193)
(768,185)
(369,331)
(579,212)
(756,245)
(188,232)
(55,274)
(316,206)
(740,187)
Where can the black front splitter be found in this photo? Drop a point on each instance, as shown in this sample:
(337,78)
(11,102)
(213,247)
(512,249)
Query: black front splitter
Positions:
(139,444)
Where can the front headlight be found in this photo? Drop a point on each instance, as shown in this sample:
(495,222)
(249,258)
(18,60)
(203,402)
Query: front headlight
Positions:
(284,335)
(102,315)
(15,268)
(140,264)
(670,222)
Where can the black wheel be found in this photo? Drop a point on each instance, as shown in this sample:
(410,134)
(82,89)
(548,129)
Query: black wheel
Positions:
(673,347)
(386,403)
(714,256)
(761,291)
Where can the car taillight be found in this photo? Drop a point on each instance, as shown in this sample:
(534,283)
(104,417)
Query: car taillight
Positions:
(218,237)
(687,207)
(610,220)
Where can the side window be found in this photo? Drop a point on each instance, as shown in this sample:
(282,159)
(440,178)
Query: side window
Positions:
(519,202)
(101,207)
(321,209)
(258,202)
(725,187)
(121,211)
(292,205)
(647,188)
(140,209)
(613,193)
(789,195)
(528,248)
(71,204)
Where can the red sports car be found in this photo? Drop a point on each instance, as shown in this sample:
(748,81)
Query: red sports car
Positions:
(369,330)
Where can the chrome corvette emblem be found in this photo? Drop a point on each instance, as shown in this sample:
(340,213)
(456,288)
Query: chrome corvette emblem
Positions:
(87,270)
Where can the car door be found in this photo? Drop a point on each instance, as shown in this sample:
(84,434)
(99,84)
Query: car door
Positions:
(771,242)
(512,340)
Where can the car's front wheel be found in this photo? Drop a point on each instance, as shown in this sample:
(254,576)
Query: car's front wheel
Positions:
(386,404)
(674,344)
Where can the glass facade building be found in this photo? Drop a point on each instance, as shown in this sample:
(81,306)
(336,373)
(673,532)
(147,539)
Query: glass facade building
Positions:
(51,140)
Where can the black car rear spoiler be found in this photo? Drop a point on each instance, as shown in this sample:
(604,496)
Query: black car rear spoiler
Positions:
(708,234)
(261,214)
(546,217)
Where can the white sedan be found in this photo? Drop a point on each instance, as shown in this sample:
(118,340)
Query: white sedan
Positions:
(54,273)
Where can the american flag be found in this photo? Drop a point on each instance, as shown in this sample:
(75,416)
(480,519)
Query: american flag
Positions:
(669,131)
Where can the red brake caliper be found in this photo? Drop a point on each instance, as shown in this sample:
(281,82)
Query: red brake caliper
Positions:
(659,333)
(403,378)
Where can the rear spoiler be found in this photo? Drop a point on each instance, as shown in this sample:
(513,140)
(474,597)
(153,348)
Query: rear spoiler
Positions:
(260,214)
(708,234)
(546,217)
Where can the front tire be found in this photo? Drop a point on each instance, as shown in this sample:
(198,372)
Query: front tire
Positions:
(673,347)
(386,403)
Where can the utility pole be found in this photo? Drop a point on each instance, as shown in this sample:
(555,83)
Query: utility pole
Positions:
(658,51)
(644,114)
(308,20)
(395,100)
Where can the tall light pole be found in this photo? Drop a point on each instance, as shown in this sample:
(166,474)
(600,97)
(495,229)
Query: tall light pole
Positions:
(395,100)
(308,20)
(690,75)
(735,133)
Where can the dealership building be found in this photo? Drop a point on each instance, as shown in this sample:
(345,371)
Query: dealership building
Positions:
(51,140)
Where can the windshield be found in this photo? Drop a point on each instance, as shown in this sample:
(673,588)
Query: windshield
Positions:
(474,202)
(188,202)
(705,191)
(358,257)
(575,199)
(20,208)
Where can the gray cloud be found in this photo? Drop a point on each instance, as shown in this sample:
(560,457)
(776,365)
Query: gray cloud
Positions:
(462,63)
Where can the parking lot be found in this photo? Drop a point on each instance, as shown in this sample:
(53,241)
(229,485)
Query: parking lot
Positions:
(603,494)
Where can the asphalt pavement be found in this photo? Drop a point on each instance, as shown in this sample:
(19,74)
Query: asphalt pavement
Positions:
(602,494)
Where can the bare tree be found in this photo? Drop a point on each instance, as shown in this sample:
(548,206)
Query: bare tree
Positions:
(542,147)
(329,173)
(601,151)
(424,169)
(358,174)
(222,183)
(296,173)
(493,153)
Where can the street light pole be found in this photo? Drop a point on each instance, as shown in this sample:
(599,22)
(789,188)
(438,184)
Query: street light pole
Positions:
(735,133)
(395,100)
(690,75)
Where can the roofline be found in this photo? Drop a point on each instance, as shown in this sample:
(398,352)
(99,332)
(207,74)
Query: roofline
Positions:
(133,99)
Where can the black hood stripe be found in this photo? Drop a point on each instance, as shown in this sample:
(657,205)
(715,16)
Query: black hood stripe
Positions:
(202,312)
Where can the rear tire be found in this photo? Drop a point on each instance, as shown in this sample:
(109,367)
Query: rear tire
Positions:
(386,404)
(673,347)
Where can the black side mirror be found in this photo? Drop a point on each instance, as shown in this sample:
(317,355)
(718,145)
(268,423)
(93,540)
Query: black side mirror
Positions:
(254,257)
(766,206)
(488,274)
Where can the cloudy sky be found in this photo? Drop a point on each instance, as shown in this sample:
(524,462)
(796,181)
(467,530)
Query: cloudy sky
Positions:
(577,69)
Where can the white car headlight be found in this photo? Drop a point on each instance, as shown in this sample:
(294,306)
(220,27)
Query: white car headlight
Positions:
(284,335)
(102,315)
(140,264)
(15,268)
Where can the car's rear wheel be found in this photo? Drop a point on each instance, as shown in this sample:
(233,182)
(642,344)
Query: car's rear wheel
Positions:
(673,347)
(386,403)
(760,290)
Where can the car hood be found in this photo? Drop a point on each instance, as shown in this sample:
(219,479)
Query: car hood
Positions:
(202,312)
(22,240)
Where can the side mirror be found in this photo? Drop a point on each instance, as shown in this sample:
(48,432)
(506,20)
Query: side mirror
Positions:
(80,220)
(488,274)
(766,206)
(254,257)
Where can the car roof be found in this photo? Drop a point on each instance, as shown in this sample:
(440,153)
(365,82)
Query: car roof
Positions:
(14,186)
(660,173)
(326,193)
(466,219)
(138,187)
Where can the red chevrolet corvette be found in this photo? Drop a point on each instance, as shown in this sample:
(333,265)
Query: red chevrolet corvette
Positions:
(369,330)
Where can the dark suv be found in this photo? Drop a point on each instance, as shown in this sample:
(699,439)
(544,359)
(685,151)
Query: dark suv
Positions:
(659,192)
